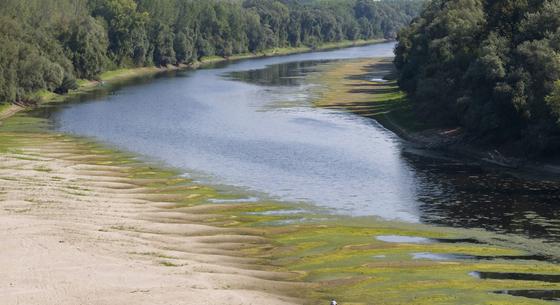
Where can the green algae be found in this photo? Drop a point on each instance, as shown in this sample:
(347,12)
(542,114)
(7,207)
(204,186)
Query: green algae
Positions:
(356,86)
(349,263)
(24,123)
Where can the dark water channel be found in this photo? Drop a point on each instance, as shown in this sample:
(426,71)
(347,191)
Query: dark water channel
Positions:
(249,124)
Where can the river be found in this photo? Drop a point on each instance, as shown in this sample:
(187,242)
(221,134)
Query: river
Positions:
(249,124)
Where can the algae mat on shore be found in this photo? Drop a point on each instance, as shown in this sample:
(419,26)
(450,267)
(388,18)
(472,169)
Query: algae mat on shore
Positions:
(281,248)
(366,87)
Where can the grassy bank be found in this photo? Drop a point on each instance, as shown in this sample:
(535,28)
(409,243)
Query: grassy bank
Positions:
(365,87)
(293,50)
(3,107)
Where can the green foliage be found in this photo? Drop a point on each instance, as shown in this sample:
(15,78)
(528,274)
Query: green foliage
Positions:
(490,66)
(68,83)
(553,100)
(163,39)
(48,44)
(123,19)
(184,46)
(86,45)
(8,74)
(27,64)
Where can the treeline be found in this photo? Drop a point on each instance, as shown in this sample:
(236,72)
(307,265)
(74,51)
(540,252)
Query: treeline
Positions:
(48,44)
(490,66)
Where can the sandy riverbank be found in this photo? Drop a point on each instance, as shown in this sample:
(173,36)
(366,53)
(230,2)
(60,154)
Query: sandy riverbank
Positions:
(78,229)
(86,225)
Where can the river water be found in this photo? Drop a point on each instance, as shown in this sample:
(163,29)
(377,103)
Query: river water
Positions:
(249,124)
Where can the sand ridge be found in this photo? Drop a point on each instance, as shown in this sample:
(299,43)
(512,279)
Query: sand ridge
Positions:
(75,231)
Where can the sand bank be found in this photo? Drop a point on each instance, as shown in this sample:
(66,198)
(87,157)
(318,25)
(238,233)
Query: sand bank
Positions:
(84,231)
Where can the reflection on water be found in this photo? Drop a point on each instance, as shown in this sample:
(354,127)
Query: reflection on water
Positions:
(469,195)
(548,295)
(248,124)
(455,192)
(399,239)
(442,256)
(289,74)
(422,240)
(549,278)
(240,133)
(458,256)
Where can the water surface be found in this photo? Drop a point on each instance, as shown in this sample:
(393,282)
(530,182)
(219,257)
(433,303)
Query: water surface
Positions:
(250,124)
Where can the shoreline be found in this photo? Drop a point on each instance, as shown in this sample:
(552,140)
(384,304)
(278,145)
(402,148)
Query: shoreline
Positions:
(123,74)
(388,106)
(87,222)
(82,223)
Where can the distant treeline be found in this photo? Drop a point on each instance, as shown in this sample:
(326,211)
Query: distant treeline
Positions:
(48,44)
(490,66)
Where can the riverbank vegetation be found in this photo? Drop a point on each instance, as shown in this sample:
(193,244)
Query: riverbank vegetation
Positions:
(492,67)
(367,88)
(49,44)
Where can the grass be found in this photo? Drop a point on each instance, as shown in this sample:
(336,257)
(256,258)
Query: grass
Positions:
(127,73)
(21,123)
(43,95)
(290,50)
(349,263)
(4,106)
(321,47)
(358,86)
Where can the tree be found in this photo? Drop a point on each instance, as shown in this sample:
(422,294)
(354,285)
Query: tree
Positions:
(553,100)
(162,40)
(489,66)
(184,46)
(86,45)
(123,19)
(48,44)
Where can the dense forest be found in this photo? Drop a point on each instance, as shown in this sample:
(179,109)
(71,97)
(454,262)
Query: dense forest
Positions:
(48,44)
(492,67)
